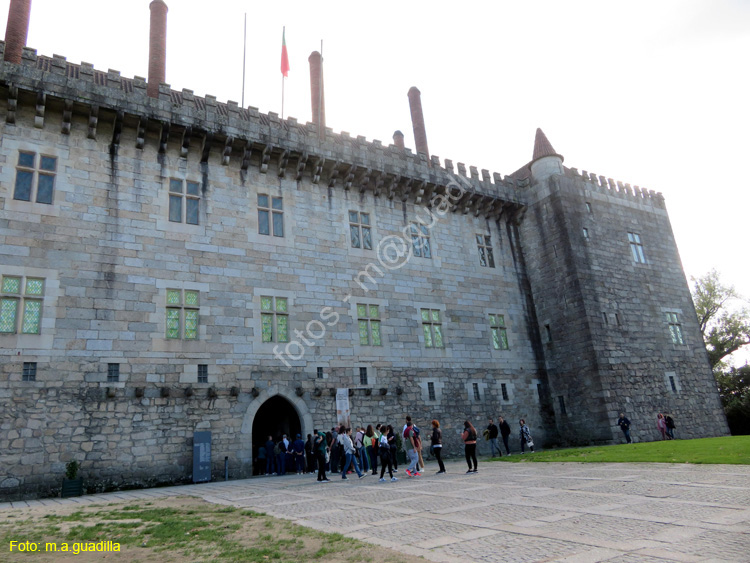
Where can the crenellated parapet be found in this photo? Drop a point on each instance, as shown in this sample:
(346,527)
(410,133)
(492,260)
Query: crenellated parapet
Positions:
(617,188)
(200,126)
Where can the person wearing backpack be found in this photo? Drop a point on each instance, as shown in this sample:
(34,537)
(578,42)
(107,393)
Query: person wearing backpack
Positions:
(392,444)
(385,456)
(411,445)
(359,444)
(469,437)
(320,445)
(370,447)
(349,452)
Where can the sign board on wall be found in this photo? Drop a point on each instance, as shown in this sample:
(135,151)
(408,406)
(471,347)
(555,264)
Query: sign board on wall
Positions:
(201,457)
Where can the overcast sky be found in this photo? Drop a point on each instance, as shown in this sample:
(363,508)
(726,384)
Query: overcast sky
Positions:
(651,93)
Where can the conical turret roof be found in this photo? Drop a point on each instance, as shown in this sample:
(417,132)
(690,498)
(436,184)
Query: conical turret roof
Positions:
(542,147)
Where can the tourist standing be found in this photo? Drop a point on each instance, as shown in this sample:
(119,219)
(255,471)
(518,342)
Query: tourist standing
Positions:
(385,456)
(492,431)
(262,460)
(469,437)
(369,442)
(504,432)
(298,451)
(661,425)
(526,439)
(410,445)
(334,454)
(359,445)
(669,421)
(437,445)
(310,454)
(393,445)
(349,453)
(320,447)
(624,425)
(270,456)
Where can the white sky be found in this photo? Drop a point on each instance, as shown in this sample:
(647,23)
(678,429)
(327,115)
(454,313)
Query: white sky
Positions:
(650,93)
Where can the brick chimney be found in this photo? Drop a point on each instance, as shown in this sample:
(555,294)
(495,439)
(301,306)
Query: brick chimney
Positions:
(17,29)
(398,139)
(317,95)
(417,121)
(157,47)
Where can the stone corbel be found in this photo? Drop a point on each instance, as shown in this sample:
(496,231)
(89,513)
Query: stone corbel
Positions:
(227,152)
(41,102)
(164,138)
(206,148)
(185,144)
(247,153)
(265,157)
(405,190)
(301,163)
(140,136)
(392,185)
(349,177)
(481,204)
(318,169)
(93,121)
(334,174)
(12,104)
(67,117)
(116,132)
(379,183)
(418,191)
(283,162)
(364,180)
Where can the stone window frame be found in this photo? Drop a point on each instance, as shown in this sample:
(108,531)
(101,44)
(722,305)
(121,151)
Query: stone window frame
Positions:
(536,387)
(369,321)
(320,372)
(271,211)
(275,314)
(636,248)
(36,170)
(202,376)
(183,309)
(22,302)
(437,386)
(363,380)
(256,322)
(358,224)
(672,382)
(501,328)
(588,207)
(371,375)
(561,404)
(29,371)
(425,352)
(585,233)
(188,194)
(675,328)
(420,240)
(474,386)
(189,374)
(431,391)
(158,316)
(367,351)
(484,248)
(113,372)
(612,319)
(434,325)
(510,391)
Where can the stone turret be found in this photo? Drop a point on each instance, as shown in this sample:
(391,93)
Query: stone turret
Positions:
(545,162)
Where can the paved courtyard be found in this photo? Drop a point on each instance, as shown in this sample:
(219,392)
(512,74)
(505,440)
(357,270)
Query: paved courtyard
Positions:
(619,513)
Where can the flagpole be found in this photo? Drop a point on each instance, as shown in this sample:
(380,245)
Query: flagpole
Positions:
(244,54)
(283,34)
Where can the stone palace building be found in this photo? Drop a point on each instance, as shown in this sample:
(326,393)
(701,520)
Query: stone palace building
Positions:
(172,264)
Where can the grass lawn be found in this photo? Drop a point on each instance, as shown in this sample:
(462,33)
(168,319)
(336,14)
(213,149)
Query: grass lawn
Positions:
(730,449)
(174,530)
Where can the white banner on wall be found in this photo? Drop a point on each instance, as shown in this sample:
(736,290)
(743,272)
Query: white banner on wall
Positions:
(343,414)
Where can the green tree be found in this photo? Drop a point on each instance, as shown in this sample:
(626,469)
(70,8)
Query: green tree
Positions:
(734,389)
(724,323)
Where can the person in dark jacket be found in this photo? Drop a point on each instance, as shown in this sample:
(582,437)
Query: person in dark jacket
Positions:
(504,432)
(492,433)
(310,455)
(437,445)
(624,425)
(270,457)
(669,421)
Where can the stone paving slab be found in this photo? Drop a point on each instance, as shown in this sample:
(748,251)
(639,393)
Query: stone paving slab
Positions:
(510,513)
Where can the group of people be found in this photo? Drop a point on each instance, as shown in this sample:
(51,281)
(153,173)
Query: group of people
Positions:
(664,423)
(361,450)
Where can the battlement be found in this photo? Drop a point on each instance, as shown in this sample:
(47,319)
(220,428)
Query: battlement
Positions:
(617,188)
(261,138)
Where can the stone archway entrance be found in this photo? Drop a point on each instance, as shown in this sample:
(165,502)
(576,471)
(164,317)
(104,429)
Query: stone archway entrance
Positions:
(275,417)
(276,411)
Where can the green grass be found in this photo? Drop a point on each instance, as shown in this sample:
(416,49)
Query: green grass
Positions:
(730,449)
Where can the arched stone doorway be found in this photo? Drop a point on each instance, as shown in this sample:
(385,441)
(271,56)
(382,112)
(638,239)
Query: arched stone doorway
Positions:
(274,412)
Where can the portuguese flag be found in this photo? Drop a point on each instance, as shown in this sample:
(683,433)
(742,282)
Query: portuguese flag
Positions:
(284,55)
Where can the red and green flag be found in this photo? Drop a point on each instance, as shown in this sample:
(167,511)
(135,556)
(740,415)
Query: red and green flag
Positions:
(284,55)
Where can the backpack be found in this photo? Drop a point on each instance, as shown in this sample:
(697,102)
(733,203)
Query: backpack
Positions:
(471,435)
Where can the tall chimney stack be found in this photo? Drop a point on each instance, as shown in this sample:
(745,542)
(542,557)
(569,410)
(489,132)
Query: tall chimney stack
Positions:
(398,139)
(417,121)
(157,47)
(317,95)
(17,30)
